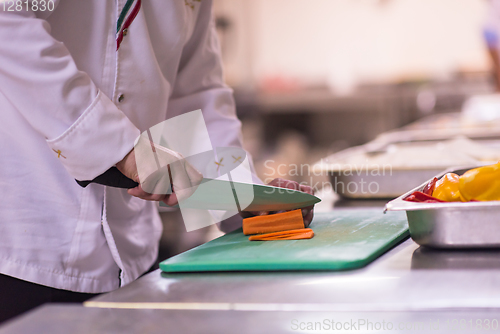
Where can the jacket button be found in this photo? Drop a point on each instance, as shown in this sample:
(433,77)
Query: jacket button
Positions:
(121,97)
(125,32)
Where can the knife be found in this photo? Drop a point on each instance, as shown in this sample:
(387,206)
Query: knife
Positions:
(213,194)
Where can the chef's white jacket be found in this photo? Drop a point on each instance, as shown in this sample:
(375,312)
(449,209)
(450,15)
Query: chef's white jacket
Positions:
(72,103)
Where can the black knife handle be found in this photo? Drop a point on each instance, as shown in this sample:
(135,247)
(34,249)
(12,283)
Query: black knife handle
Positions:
(112,178)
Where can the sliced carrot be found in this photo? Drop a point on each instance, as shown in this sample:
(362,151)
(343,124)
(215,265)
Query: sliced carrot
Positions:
(289,220)
(302,233)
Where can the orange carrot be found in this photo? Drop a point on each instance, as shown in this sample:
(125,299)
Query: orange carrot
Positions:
(303,233)
(289,220)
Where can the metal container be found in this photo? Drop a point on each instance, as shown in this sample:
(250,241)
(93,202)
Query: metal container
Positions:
(372,184)
(376,175)
(451,225)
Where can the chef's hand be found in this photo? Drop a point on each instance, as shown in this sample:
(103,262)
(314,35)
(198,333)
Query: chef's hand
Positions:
(128,167)
(163,175)
(307,212)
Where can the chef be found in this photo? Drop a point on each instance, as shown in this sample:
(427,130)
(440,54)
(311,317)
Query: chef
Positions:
(79,82)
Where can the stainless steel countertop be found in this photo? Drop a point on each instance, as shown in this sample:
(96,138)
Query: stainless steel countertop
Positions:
(408,284)
(405,278)
(64,319)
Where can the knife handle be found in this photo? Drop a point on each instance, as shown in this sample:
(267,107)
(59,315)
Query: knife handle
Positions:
(112,178)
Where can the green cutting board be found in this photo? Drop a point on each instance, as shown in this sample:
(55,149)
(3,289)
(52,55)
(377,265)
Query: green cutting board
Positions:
(343,239)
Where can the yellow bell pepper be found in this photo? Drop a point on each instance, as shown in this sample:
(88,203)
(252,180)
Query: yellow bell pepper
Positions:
(481,184)
(446,188)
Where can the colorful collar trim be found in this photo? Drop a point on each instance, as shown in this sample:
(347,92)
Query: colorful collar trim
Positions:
(128,20)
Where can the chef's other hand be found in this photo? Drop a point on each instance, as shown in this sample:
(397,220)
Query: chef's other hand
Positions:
(163,175)
(307,212)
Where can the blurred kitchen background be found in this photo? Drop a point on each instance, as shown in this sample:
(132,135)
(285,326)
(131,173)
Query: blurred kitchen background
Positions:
(315,77)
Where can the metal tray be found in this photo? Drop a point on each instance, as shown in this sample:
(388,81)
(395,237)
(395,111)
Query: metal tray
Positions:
(451,225)
(382,177)
(365,185)
(364,182)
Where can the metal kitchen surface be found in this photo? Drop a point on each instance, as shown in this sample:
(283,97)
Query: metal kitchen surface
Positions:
(64,318)
(405,278)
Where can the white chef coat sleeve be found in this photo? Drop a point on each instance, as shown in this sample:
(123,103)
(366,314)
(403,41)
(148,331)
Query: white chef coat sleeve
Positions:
(38,76)
(200,85)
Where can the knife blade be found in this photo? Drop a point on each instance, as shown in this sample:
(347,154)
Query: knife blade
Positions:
(213,194)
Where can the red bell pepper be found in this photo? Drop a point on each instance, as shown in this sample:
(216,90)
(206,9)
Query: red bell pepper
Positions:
(421,197)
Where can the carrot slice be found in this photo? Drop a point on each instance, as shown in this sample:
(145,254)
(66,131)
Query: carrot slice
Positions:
(303,233)
(289,220)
